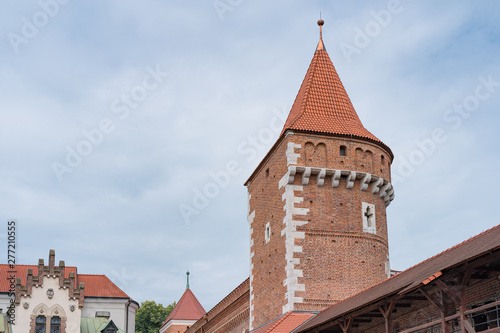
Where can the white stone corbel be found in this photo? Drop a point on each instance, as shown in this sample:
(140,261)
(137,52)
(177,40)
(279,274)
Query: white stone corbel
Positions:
(389,196)
(365,181)
(291,174)
(306,175)
(336,178)
(376,185)
(289,177)
(384,189)
(350,179)
(321,177)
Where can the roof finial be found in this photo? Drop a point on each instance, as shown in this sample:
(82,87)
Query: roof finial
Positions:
(320,23)
(187,283)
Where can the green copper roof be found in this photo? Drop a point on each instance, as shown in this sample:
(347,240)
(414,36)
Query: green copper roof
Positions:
(95,325)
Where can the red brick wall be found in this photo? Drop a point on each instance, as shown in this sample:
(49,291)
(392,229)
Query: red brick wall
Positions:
(231,315)
(338,258)
(177,329)
(268,258)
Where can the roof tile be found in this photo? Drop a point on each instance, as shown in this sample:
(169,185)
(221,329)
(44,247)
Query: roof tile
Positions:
(95,285)
(188,308)
(322,104)
(285,323)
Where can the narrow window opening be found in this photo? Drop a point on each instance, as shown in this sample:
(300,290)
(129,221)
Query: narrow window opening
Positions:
(267,173)
(342,151)
(268,232)
(382,159)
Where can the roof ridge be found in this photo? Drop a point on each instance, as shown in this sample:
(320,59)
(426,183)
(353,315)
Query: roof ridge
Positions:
(451,248)
(114,285)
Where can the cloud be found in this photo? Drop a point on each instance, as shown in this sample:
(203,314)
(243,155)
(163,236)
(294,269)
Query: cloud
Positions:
(117,212)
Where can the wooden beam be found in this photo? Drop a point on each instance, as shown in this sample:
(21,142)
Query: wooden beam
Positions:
(453,294)
(386,311)
(345,325)
(493,330)
(439,304)
(468,327)
(481,308)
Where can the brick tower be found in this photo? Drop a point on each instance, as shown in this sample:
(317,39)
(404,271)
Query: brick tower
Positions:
(317,204)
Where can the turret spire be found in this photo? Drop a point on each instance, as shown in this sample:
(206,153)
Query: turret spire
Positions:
(322,104)
(187,282)
(320,44)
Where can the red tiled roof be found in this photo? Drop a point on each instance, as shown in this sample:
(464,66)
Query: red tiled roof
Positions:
(322,104)
(188,308)
(413,277)
(22,273)
(95,285)
(286,323)
(100,286)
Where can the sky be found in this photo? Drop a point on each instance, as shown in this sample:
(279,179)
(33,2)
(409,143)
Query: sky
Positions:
(127,129)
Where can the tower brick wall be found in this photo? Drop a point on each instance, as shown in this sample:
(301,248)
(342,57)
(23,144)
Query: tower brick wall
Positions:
(318,251)
(318,225)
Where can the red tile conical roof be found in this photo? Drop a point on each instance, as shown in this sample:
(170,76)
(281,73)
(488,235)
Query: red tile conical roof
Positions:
(322,104)
(188,308)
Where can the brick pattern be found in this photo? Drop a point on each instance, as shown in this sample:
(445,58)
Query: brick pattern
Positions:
(423,311)
(177,329)
(229,315)
(318,252)
(53,271)
(268,260)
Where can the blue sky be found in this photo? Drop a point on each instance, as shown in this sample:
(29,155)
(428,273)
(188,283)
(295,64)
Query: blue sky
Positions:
(160,96)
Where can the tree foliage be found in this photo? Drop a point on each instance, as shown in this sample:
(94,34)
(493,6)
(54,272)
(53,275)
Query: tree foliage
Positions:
(150,316)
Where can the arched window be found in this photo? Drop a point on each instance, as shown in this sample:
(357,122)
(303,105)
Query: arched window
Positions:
(55,325)
(343,151)
(40,324)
